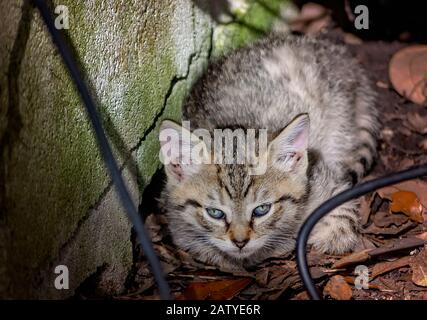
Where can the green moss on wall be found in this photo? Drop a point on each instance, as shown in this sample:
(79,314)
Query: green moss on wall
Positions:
(250,21)
(141,59)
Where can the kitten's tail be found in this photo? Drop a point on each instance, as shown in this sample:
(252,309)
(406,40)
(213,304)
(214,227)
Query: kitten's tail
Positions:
(367,126)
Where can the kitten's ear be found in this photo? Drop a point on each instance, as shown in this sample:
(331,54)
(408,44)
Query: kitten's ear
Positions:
(181,152)
(288,151)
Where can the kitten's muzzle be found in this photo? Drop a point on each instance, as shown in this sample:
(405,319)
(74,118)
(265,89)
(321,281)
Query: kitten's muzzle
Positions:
(240,244)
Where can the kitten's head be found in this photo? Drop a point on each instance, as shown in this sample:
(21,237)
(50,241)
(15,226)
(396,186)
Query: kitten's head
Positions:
(221,209)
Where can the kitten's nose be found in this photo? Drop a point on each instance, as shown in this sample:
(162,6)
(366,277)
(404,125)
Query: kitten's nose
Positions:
(240,243)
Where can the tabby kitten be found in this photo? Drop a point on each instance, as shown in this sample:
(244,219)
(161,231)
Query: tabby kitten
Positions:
(318,108)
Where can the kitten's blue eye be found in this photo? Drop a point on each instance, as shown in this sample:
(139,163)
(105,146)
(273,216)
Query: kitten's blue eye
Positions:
(261,210)
(215,213)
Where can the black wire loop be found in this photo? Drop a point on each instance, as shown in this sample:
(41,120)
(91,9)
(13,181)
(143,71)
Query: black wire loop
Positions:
(132,211)
(106,151)
(331,204)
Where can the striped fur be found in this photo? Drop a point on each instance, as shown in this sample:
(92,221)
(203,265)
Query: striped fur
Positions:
(270,85)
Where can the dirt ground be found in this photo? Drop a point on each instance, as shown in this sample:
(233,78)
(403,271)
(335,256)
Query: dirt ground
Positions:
(394,221)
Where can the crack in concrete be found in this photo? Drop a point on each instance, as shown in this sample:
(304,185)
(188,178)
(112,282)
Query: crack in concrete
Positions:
(211,43)
(193,57)
(91,209)
(176,79)
(98,202)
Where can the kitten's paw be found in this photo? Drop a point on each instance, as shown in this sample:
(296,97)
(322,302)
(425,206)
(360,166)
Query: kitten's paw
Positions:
(337,232)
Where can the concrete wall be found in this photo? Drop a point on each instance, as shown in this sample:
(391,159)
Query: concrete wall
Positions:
(57,203)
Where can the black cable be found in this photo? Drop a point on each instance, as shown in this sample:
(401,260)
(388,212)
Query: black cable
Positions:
(132,212)
(336,201)
(105,149)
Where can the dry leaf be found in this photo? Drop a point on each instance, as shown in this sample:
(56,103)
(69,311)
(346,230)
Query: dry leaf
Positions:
(419,269)
(422,236)
(373,229)
(398,245)
(350,280)
(312,19)
(406,71)
(384,219)
(417,186)
(301,296)
(352,39)
(361,256)
(365,209)
(363,244)
(408,203)
(312,11)
(317,273)
(423,144)
(215,290)
(353,258)
(318,25)
(384,267)
(338,288)
(382,84)
(417,122)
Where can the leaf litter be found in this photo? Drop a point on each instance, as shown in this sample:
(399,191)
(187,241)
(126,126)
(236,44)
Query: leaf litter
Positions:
(393,219)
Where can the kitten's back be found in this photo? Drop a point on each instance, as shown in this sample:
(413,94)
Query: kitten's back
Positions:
(269,83)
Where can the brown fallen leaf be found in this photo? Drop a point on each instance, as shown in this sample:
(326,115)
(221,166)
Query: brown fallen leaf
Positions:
(408,203)
(373,229)
(398,245)
(423,144)
(338,289)
(312,11)
(406,71)
(419,269)
(364,243)
(422,236)
(312,19)
(384,267)
(382,84)
(278,274)
(352,39)
(385,219)
(364,255)
(318,25)
(350,280)
(365,209)
(301,296)
(419,187)
(317,273)
(309,12)
(417,122)
(352,258)
(214,290)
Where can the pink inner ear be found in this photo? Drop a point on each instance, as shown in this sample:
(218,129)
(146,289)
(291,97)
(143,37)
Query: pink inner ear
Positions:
(301,140)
